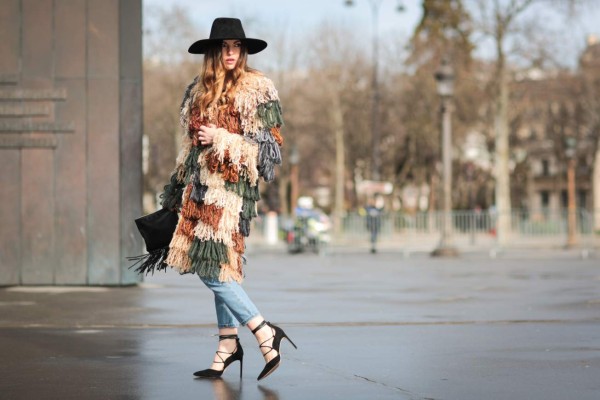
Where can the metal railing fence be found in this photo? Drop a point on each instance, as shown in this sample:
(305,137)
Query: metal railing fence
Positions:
(469,229)
(474,227)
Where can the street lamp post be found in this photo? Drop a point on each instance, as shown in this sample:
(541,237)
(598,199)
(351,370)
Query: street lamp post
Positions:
(375,123)
(571,152)
(445,87)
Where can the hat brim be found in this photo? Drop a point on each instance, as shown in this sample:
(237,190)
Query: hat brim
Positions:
(253,45)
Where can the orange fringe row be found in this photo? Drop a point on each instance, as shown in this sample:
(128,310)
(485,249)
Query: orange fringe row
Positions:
(276,132)
(211,215)
(228,171)
(229,118)
(238,242)
(186,227)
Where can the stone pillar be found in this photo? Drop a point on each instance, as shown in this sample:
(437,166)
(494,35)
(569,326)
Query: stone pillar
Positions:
(70,141)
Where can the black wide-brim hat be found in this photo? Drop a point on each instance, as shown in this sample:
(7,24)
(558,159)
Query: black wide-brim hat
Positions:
(227,29)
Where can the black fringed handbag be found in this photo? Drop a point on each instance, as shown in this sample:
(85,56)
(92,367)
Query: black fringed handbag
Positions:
(157,230)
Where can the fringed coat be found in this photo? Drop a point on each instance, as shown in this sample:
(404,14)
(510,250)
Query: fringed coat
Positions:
(215,188)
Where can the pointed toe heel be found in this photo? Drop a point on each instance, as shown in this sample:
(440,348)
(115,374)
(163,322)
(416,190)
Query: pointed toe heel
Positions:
(236,355)
(278,335)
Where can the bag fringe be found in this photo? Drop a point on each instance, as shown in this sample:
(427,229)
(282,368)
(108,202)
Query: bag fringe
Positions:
(150,262)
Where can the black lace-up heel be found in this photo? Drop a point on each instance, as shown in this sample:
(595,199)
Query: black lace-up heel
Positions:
(237,354)
(278,334)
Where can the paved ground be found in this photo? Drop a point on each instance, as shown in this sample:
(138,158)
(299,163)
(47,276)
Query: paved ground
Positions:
(520,326)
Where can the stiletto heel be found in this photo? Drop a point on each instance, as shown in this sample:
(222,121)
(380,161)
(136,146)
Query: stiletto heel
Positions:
(278,334)
(292,343)
(237,354)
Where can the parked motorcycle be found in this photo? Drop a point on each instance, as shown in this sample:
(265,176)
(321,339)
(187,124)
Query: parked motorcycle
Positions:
(309,232)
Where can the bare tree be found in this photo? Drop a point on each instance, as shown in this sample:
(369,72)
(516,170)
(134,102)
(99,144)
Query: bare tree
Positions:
(332,54)
(590,103)
(499,20)
(444,31)
(167,71)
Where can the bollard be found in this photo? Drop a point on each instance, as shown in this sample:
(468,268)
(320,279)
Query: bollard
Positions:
(271,227)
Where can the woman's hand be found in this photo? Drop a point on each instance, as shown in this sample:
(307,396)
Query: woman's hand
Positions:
(206,134)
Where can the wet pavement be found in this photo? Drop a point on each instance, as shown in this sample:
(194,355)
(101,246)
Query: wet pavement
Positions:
(521,326)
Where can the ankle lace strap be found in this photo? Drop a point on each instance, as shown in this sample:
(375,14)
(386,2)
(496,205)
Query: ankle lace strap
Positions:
(259,327)
(225,337)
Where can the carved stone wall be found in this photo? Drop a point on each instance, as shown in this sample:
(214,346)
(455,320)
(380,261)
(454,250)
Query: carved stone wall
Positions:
(70,141)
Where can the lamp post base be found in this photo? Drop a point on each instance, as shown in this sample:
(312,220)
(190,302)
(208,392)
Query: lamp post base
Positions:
(445,251)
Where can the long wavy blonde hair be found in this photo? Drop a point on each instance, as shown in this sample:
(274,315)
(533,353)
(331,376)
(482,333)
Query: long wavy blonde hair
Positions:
(216,85)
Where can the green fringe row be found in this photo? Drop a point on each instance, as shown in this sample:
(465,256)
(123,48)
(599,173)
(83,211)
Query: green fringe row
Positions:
(208,250)
(172,194)
(243,189)
(248,209)
(206,269)
(191,162)
(270,114)
(207,257)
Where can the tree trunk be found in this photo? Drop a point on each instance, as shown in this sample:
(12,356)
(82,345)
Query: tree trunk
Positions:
(596,191)
(337,125)
(503,207)
(284,199)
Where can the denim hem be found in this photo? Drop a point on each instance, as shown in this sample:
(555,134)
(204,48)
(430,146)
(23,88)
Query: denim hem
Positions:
(227,326)
(247,320)
(232,304)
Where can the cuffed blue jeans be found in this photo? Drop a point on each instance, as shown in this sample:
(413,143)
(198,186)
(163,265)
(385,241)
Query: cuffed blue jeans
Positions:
(233,306)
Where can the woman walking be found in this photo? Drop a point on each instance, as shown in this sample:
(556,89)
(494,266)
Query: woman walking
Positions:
(231,117)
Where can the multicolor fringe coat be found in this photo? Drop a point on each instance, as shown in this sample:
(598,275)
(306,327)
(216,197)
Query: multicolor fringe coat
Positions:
(215,188)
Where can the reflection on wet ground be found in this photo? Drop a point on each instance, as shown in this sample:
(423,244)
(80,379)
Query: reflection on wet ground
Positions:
(367,327)
(225,390)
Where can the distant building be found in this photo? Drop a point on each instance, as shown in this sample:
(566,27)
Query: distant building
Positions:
(548,108)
